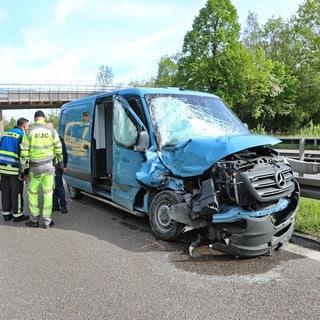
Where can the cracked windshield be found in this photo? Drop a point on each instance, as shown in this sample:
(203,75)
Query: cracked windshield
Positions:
(182,117)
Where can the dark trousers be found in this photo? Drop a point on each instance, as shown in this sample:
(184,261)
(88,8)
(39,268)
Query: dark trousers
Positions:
(59,194)
(11,194)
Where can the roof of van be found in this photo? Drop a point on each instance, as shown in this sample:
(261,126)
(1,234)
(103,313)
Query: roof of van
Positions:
(141,92)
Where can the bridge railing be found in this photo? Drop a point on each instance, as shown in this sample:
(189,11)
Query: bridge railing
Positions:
(22,93)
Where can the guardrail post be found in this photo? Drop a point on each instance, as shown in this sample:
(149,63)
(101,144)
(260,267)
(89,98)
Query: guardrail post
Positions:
(1,122)
(301,152)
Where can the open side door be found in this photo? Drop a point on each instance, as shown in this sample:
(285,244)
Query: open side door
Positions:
(131,139)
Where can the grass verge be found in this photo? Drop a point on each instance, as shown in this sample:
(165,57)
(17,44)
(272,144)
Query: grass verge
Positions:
(308,217)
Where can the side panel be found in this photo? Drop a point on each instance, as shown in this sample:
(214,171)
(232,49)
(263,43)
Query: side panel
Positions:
(76,128)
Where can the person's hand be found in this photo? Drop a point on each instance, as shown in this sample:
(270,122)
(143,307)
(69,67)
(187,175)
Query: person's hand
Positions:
(22,176)
(60,167)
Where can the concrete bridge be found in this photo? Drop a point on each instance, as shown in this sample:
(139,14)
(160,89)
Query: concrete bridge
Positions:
(43,96)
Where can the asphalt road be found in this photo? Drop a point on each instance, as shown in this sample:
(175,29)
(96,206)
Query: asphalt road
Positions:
(100,263)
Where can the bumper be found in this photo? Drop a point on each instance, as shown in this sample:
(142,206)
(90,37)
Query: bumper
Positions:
(260,237)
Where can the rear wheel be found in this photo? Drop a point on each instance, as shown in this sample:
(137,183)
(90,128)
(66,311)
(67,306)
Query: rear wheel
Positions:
(161,224)
(74,193)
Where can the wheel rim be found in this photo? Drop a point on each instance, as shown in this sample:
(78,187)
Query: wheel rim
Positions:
(73,191)
(163,221)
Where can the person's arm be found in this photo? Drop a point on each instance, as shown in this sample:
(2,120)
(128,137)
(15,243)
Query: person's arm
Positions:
(24,156)
(57,148)
(65,155)
(64,152)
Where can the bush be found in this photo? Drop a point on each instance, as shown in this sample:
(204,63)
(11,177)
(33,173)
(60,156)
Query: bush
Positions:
(310,130)
(308,217)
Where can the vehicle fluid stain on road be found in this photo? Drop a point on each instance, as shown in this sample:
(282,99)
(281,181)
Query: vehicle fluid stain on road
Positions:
(213,263)
(207,261)
(134,227)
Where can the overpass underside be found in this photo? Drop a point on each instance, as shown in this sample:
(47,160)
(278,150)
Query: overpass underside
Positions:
(45,96)
(40,100)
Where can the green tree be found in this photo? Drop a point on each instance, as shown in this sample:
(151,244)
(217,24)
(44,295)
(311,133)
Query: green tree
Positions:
(167,71)
(207,48)
(10,124)
(270,45)
(279,112)
(277,39)
(214,59)
(251,37)
(306,26)
(256,79)
(295,44)
(271,78)
(307,31)
(51,117)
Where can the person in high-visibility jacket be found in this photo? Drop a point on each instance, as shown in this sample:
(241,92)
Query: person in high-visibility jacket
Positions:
(11,185)
(40,149)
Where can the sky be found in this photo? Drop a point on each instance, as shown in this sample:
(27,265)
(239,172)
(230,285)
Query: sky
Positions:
(65,41)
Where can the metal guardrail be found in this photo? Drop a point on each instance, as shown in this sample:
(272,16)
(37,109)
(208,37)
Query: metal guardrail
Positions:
(305,163)
(310,184)
(302,148)
(309,188)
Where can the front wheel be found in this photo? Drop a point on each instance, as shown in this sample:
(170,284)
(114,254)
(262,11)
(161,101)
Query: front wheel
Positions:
(161,224)
(74,193)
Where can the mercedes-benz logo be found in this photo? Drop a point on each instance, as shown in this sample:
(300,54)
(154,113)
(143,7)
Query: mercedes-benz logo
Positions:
(280,179)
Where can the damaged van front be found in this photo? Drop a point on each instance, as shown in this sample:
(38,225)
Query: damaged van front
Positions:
(212,174)
(184,159)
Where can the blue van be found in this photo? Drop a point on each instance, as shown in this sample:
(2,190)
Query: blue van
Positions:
(184,159)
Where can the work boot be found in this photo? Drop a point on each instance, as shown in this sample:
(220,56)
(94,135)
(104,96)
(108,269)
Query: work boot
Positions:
(48,226)
(20,218)
(7,217)
(64,210)
(55,208)
(33,224)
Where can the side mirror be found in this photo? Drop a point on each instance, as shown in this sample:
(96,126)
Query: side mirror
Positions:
(143,142)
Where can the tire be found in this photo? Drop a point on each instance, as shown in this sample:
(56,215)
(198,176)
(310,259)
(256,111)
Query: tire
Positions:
(161,224)
(74,193)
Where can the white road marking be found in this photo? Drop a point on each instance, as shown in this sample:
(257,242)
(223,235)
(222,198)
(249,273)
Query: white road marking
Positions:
(312,254)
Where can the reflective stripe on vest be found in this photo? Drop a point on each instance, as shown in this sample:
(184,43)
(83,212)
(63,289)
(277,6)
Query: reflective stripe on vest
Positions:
(9,169)
(8,158)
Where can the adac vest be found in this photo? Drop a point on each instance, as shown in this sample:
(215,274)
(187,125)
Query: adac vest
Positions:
(9,151)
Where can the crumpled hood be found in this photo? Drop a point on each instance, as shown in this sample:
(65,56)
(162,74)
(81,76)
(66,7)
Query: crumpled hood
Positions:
(193,157)
(197,155)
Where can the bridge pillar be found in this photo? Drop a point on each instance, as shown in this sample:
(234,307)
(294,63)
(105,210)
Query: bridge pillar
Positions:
(1,122)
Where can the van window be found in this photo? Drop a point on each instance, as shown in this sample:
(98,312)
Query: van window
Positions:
(124,130)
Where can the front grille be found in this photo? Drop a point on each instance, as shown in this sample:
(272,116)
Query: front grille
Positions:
(269,182)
